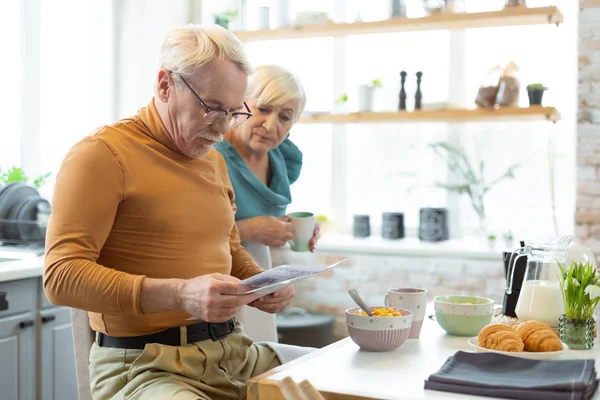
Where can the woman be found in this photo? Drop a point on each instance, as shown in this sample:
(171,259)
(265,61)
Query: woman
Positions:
(262,164)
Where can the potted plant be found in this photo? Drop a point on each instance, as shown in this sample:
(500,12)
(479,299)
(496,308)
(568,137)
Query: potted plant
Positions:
(491,240)
(225,18)
(16,174)
(323,222)
(535,91)
(366,93)
(580,287)
(508,239)
(471,176)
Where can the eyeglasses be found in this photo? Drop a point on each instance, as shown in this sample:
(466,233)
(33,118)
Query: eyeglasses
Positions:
(213,115)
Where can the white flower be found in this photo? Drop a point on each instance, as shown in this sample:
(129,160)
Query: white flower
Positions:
(575,282)
(593,291)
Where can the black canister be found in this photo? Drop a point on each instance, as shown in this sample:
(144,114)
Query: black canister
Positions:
(392,225)
(433,224)
(362,226)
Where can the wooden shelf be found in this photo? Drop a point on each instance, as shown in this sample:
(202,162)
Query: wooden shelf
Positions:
(535,113)
(510,16)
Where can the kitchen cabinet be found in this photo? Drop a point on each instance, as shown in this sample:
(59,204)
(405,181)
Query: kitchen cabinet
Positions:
(56,362)
(37,359)
(17,357)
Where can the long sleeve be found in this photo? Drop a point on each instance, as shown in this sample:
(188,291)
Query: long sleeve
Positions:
(88,190)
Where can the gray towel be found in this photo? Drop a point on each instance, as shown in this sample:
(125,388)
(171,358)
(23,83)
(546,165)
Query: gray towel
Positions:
(287,352)
(498,375)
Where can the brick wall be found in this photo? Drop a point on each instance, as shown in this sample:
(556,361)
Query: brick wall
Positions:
(372,275)
(587,217)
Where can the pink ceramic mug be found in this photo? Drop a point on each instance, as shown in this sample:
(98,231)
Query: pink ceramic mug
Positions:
(413,299)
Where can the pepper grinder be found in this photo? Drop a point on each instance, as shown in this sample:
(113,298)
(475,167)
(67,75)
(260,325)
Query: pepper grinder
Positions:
(418,95)
(402,96)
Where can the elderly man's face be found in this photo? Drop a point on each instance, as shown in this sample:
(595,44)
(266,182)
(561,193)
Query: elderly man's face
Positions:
(220,84)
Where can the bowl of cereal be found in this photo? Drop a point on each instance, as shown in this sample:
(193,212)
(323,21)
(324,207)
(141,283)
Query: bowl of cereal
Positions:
(386,330)
(463,315)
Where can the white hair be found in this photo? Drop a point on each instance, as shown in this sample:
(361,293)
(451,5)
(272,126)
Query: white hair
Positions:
(274,85)
(192,46)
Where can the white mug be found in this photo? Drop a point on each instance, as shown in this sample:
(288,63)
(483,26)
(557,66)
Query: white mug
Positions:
(413,299)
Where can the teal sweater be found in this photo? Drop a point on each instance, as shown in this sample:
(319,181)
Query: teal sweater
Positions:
(252,197)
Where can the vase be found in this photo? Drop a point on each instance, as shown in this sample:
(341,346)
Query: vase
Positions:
(365,98)
(578,334)
(535,97)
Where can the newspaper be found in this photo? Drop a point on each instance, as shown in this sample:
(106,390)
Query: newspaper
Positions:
(277,278)
(282,276)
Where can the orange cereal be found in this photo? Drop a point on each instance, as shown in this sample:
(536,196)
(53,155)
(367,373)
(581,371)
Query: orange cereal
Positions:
(381,312)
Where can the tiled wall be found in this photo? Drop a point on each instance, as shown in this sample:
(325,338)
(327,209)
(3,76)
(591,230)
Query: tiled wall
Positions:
(373,274)
(587,217)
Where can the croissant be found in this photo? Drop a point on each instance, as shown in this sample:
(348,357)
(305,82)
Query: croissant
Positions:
(500,337)
(538,336)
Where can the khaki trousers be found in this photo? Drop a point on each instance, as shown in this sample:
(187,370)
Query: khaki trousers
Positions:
(202,370)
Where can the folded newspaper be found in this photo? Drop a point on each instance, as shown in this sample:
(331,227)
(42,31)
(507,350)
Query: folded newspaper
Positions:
(281,276)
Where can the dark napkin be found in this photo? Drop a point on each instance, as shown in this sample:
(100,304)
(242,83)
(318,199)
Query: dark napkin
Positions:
(499,375)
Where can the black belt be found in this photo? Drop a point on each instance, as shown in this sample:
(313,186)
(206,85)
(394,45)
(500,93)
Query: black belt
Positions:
(172,336)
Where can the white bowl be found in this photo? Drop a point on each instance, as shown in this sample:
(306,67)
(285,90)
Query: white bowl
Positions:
(378,333)
(532,355)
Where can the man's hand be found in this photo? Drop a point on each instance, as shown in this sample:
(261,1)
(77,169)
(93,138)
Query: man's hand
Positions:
(213,298)
(275,302)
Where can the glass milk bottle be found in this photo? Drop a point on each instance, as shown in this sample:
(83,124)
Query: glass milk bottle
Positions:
(540,298)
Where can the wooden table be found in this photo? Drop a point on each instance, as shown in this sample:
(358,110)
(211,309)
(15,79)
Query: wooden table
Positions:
(342,371)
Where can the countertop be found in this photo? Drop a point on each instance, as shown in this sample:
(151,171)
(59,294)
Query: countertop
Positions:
(473,248)
(30,263)
(23,264)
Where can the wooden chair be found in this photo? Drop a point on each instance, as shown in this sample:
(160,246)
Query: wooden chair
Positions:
(303,391)
(83,338)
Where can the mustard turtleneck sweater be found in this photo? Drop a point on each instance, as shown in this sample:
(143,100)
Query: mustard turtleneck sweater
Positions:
(128,205)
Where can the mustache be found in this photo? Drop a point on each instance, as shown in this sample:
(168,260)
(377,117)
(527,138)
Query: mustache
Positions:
(213,137)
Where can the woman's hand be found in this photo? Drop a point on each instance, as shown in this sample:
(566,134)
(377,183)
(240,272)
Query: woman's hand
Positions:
(272,231)
(315,238)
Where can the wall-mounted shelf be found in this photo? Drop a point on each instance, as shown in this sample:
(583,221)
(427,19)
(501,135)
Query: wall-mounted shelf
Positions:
(510,16)
(535,113)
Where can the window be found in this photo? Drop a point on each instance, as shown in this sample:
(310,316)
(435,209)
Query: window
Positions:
(61,61)
(10,103)
(76,75)
(370,169)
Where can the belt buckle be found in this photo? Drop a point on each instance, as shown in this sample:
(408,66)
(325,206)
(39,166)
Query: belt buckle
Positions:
(213,327)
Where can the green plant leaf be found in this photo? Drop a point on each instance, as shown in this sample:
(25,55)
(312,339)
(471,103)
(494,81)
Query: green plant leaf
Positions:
(321,218)
(537,86)
(376,83)
(41,180)
(580,289)
(16,174)
(342,99)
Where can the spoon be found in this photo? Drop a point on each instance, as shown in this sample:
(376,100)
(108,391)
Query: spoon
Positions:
(358,300)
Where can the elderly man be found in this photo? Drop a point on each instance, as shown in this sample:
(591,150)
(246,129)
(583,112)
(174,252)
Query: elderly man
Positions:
(143,235)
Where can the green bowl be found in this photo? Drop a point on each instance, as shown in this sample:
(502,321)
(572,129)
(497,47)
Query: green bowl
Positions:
(460,319)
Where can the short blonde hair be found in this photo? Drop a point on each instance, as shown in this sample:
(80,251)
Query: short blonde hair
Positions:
(274,85)
(192,46)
